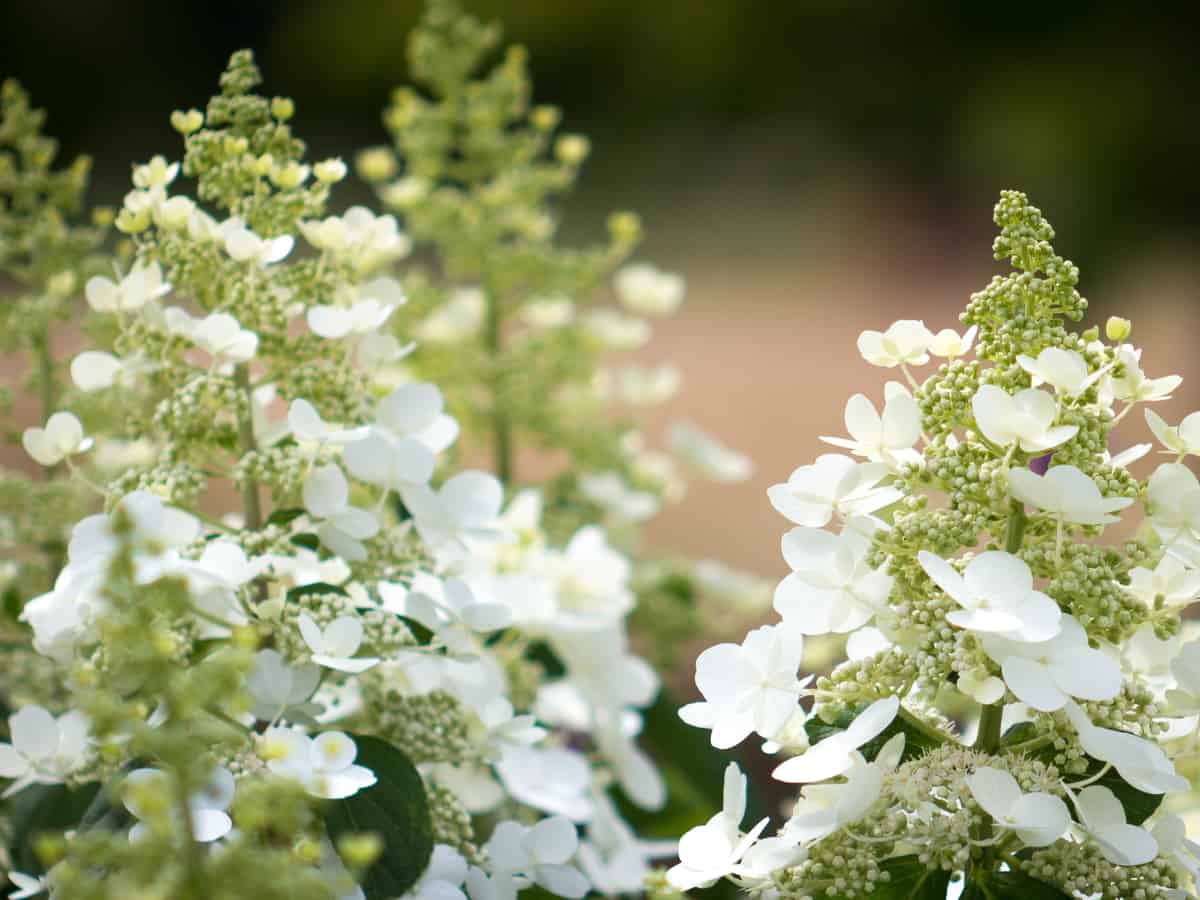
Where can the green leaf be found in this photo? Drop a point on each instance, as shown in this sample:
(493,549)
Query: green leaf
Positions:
(307,541)
(44,809)
(1009,886)
(916,742)
(910,880)
(284,516)
(395,809)
(316,588)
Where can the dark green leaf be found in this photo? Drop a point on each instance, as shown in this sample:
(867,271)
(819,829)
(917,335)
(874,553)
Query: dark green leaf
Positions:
(316,588)
(1009,886)
(284,516)
(307,541)
(916,742)
(44,809)
(909,879)
(395,809)
(1018,734)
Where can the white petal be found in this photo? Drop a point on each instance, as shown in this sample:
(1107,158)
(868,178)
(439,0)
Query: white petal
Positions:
(326,491)
(553,840)
(34,733)
(1030,681)
(995,790)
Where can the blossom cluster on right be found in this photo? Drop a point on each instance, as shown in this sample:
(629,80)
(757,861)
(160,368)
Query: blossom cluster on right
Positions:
(1016,691)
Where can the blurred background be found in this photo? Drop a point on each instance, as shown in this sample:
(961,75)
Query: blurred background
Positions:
(813,167)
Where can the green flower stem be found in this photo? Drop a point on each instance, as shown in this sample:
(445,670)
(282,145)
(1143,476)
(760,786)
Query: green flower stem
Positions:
(920,725)
(502,438)
(251,503)
(987,740)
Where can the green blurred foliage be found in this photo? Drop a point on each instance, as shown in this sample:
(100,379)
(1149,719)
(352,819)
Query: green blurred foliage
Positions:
(1088,105)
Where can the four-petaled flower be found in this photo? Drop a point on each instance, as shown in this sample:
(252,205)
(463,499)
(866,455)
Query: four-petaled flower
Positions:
(1038,819)
(748,688)
(996,595)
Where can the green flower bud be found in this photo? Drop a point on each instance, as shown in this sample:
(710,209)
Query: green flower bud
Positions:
(187,122)
(1117,329)
(282,108)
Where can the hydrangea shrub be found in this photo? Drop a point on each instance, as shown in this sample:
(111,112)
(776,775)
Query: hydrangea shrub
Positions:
(959,541)
(281,642)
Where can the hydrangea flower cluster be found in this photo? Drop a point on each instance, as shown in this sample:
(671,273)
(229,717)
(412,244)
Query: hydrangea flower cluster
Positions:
(298,651)
(1017,691)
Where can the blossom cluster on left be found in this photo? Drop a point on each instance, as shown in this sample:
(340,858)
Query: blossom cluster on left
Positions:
(292,653)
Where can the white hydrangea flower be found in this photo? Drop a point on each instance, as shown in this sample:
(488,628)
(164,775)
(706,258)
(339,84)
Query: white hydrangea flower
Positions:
(590,579)
(1173,501)
(1184,698)
(342,527)
(832,588)
(906,342)
(648,291)
(417,411)
(335,645)
(243,245)
(443,878)
(359,234)
(43,749)
(449,609)
(834,485)
(1046,674)
(718,848)
(949,344)
(835,754)
(748,688)
(553,779)
(1067,493)
(94,370)
(539,855)
(1133,386)
(306,425)
(466,508)
(1170,583)
(207,807)
(823,809)
(886,438)
(457,319)
(611,856)
(324,765)
(1170,833)
(60,439)
(143,284)
(1103,817)
(610,491)
(548,312)
(336,322)
(223,338)
(1025,419)
(708,456)
(156,173)
(996,595)
(1182,439)
(1038,819)
(280,690)
(615,331)
(1140,762)
(1064,370)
